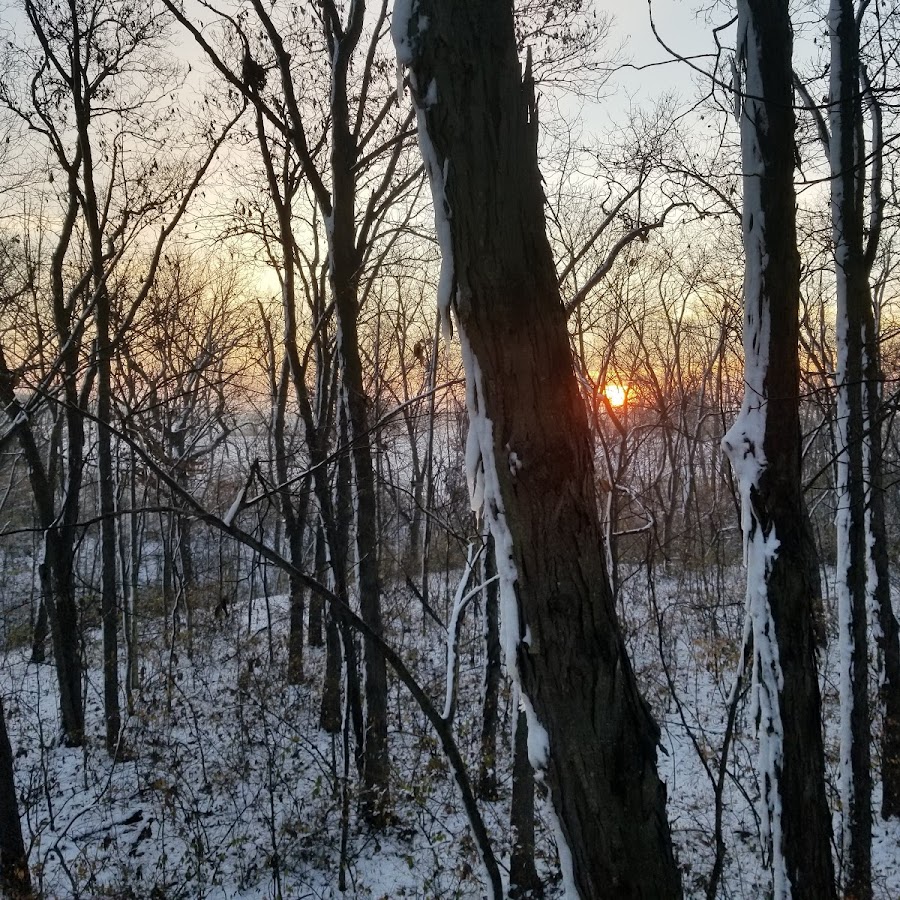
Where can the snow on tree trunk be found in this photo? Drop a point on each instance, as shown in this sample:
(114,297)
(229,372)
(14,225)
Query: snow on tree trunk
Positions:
(529,455)
(763,446)
(853,304)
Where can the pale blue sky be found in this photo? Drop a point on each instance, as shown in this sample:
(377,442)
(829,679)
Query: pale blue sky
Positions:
(678,26)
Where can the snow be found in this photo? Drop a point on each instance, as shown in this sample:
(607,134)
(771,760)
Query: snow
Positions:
(400,22)
(239,752)
(235,507)
(437,177)
(460,601)
(236,771)
(484,485)
(844,554)
(566,864)
(404,44)
(744,445)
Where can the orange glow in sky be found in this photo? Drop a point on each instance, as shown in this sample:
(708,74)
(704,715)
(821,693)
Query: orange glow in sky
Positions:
(616,394)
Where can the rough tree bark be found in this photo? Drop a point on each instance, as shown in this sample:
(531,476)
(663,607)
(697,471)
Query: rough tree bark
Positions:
(524,881)
(591,731)
(15,879)
(764,446)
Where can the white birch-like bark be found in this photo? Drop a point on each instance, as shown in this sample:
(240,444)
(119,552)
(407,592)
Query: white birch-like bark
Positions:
(743,443)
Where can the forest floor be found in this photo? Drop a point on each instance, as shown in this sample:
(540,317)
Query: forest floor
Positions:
(229,789)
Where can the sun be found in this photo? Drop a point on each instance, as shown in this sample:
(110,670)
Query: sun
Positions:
(616,394)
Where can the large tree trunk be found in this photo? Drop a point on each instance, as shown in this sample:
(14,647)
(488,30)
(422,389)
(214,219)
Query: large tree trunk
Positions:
(764,446)
(591,732)
(15,879)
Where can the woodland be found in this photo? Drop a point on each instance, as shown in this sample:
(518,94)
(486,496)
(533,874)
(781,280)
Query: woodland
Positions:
(432,466)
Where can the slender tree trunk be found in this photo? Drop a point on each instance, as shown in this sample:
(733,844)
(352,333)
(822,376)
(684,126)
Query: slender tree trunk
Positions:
(41,631)
(340,549)
(56,570)
(295,635)
(182,536)
(888,636)
(490,709)
(854,308)
(57,581)
(529,428)
(764,446)
(428,470)
(109,607)
(133,554)
(15,879)
(106,469)
(888,632)
(316,604)
(109,604)
(294,526)
(330,706)
(889,641)
(344,274)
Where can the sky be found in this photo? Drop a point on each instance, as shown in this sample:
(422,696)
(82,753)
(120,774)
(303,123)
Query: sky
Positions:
(678,25)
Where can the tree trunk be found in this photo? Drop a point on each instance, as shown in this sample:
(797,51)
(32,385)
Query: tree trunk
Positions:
(15,879)
(295,635)
(330,706)
(56,570)
(132,552)
(109,607)
(344,269)
(109,610)
(487,763)
(57,582)
(428,471)
(39,638)
(294,525)
(529,427)
(764,446)
(316,604)
(854,307)
(523,877)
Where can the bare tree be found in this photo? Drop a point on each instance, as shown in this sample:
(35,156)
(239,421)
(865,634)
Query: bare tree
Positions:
(529,452)
(850,128)
(764,446)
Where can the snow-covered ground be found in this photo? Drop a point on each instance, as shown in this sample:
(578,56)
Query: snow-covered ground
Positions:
(230,789)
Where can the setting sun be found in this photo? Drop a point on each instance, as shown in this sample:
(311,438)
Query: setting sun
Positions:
(617,394)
